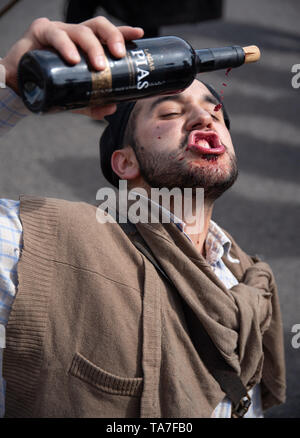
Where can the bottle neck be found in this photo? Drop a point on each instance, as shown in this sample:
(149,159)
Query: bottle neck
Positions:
(219,58)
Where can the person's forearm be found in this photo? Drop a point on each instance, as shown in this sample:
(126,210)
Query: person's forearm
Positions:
(12,110)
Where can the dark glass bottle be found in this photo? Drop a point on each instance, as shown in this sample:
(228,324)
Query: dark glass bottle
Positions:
(151,66)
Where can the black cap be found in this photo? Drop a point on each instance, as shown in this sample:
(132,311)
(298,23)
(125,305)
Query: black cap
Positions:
(113,135)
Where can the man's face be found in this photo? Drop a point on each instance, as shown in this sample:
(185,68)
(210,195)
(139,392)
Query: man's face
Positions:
(181,141)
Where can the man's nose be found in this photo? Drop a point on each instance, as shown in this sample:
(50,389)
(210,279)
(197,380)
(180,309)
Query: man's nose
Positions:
(199,118)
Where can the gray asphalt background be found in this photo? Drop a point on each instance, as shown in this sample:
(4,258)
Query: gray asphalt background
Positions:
(57,155)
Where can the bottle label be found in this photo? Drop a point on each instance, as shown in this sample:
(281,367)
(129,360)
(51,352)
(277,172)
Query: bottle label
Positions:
(134,72)
(141,64)
(150,67)
(101,83)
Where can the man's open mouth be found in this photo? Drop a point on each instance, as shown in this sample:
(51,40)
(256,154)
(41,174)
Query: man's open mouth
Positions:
(205,143)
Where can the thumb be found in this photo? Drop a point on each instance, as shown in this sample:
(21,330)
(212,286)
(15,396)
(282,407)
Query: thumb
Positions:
(96,112)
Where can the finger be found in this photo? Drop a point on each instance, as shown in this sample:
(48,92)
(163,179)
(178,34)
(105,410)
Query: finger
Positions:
(97,112)
(109,34)
(84,37)
(46,33)
(131,33)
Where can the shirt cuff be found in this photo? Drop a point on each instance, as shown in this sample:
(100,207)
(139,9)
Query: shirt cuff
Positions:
(12,110)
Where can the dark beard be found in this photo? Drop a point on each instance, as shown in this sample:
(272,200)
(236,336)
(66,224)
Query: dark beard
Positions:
(164,169)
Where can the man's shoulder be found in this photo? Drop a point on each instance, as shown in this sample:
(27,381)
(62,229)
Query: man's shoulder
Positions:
(71,213)
(51,204)
(74,227)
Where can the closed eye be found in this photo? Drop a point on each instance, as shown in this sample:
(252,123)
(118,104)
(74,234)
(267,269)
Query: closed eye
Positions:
(215,117)
(170,114)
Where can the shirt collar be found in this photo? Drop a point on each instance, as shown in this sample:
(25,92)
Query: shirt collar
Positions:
(217,244)
(167,214)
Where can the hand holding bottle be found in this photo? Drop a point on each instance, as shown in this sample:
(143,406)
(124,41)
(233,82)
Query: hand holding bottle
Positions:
(65,38)
(151,67)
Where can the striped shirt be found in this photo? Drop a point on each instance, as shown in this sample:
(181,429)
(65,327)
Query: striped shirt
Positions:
(217,245)
(10,247)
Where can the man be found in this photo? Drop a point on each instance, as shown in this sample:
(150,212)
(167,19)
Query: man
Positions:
(98,329)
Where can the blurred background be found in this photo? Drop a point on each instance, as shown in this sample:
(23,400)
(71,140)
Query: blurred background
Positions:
(57,155)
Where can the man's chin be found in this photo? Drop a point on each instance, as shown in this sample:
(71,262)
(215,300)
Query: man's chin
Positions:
(215,176)
(214,189)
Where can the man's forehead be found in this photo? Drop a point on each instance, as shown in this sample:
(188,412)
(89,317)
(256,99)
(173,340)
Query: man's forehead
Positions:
(196,91)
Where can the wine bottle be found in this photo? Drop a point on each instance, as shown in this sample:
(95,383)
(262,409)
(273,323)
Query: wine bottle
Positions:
(151,66)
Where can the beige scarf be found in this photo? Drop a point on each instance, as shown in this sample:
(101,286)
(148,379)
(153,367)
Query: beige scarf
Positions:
(244,322)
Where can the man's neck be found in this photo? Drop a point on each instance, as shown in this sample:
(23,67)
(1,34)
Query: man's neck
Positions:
(198,237)
(197,234)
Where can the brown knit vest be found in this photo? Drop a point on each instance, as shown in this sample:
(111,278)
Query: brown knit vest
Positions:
(95,331)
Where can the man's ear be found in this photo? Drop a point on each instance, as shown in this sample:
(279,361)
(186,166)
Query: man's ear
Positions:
(125,164)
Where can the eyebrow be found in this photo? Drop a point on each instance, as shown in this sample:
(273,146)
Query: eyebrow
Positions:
(208,98)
